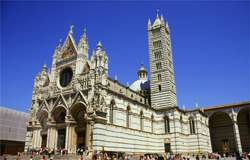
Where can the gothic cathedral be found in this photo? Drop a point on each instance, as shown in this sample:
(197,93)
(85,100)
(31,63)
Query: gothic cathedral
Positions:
(76,104)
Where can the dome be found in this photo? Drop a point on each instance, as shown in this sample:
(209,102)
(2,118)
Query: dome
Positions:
(140,84)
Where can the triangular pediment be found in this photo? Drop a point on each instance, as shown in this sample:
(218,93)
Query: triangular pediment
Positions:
(86,68)
(44,106)
(60,101)
(79,97)
(69,47)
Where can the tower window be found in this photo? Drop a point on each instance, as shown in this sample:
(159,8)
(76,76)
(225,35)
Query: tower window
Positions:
(159,77)
(158,55)
(166,124)
(158,65)
(159,87)
(157,44)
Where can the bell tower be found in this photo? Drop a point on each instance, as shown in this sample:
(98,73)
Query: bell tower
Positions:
(162,83)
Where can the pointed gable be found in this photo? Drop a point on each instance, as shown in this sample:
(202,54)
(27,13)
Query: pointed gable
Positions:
(60,101)
(69,46)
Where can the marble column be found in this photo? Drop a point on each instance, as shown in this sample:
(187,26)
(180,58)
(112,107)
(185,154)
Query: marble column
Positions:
(52,135)
(71,137)
(36,136)
(236,132)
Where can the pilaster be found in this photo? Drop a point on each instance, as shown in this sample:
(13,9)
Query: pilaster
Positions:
(71,136)
(89,135)
(36,138)
(52,135)
(236,132)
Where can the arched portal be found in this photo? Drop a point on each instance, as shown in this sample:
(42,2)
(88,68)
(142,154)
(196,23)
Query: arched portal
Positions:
(58,115)
(222,133)
(43,118)
(78,112)
(243,120)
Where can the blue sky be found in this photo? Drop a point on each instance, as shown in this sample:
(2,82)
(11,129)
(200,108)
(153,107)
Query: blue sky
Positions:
(210,43)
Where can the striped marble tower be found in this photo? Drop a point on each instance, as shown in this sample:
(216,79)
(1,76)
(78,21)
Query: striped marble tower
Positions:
(163,90)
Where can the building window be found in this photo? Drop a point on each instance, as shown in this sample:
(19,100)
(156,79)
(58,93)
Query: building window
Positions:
(66,76)
(192,125)
(152,123)
(157,44)
(159,87)
(141,120)
(158,55)
(128,118)
(158,66)
(111,112)
(181,123)
(159,77)
(166,124)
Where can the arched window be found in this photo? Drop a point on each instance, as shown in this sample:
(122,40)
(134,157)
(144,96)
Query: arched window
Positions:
(128,118)
(159,87)
(111,112)
(141,120)
(152,123)
(159,77)
(181,122)
(192,125)
(166,124)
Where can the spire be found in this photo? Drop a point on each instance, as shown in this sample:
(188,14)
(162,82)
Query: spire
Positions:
(83,41)
(84,33)
(44,68)
(157,21)
(71,29)
(167,27)
(162,20)
(157,13)
(99,45)
(149,23)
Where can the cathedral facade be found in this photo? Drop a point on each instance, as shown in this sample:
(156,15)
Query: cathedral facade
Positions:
(76,103)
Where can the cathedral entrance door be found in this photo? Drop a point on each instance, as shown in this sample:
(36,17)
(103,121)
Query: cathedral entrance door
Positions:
(61,138)
(80,137)
(167,147)
(81,130)
(78,112)
(44,140)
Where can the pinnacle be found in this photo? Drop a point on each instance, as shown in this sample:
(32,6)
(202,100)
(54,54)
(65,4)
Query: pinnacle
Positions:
(99,45)
(71,29)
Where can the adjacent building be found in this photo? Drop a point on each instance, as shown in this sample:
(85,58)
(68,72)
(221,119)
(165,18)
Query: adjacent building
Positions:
(13,126)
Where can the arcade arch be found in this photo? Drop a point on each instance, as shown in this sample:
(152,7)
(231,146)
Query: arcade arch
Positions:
(43,118)
(222,133)
(243,120)
(58,114)
(79,114)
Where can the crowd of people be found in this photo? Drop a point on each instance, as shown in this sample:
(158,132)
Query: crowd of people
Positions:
(84,154)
